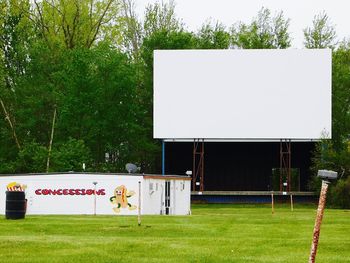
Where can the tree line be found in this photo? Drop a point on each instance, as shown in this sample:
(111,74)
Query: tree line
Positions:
(76,80)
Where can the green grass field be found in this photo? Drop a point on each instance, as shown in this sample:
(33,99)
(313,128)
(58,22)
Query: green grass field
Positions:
(213,233)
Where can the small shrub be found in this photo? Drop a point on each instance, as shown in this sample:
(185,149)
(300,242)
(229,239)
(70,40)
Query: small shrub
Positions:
(339,195)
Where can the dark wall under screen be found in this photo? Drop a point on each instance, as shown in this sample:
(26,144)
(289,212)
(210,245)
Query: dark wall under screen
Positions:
(238,166)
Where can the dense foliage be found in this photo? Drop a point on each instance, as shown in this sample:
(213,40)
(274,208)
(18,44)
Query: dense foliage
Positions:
(76,81)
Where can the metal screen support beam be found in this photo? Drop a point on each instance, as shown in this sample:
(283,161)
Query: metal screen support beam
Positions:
(198,165)
(285,164)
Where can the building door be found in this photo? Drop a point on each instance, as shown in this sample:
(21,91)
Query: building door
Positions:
(167,197)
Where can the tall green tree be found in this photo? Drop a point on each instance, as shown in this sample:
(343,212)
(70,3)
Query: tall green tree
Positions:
(15,38)
(213,36)
(341,96)
(132,28)
(16,34)
(265,31)
(77,23)
(161,16)
(321,34)
(94,93)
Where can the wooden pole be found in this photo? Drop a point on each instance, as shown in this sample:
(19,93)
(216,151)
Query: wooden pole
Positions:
(139,206)
(51,139)
(318,221)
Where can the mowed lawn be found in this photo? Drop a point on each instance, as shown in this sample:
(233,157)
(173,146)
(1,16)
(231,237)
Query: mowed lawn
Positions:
(213,233)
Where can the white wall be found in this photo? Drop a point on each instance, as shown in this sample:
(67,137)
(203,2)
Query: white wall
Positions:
(182,197)
(154,196)
(242,94)
(69,202)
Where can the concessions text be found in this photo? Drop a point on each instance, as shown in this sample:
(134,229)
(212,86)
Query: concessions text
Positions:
(69,192)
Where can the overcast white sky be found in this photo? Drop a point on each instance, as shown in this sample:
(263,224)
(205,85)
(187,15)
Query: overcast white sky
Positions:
(301,12)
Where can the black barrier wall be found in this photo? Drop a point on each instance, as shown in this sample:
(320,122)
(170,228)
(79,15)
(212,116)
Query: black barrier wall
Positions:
(239,166)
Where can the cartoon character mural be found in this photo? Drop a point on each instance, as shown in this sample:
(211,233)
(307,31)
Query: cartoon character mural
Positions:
(120,198)
(16,187)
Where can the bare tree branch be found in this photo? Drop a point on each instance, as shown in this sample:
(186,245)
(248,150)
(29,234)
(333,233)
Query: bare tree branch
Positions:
(99,23)
(42,23)
(51,139)
(7,117)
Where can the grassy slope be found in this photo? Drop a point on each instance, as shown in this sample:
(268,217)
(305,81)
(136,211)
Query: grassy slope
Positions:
(214,233)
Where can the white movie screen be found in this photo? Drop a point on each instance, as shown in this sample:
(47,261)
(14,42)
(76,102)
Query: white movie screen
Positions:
(242,94)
